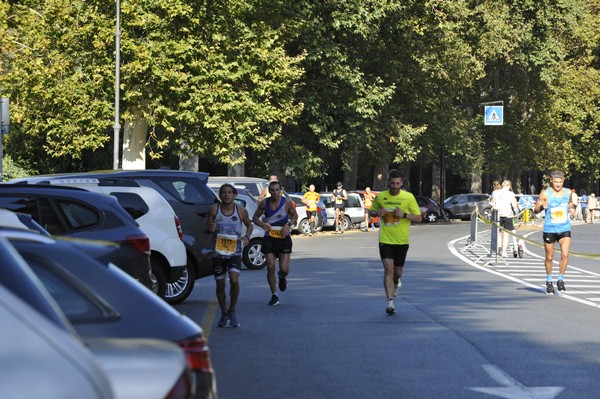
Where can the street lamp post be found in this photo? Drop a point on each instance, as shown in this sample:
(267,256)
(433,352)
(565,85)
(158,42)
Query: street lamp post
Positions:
(117,125)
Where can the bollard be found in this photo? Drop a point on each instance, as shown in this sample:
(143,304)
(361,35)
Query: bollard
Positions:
(526,216)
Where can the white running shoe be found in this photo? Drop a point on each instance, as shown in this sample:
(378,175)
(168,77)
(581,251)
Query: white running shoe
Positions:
(397,288)
(390,309)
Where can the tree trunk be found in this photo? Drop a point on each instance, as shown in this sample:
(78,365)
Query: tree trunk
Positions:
(135,134)
(476,185)
(436,183)
(190,164)
(380,177)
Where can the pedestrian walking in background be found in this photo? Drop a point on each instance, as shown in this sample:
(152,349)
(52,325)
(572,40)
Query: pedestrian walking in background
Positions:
(575,199)
(557,201)
(279,215)
(339,204)
(396,208)
(311,199)
(225,222)
(583,204)
(367,202)
(592,206)
(505,202)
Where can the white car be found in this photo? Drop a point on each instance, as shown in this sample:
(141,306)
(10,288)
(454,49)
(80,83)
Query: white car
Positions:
(354,214)
(155,216)
(303,225)
(254,185)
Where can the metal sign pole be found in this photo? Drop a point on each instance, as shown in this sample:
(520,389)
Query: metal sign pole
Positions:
(4,125)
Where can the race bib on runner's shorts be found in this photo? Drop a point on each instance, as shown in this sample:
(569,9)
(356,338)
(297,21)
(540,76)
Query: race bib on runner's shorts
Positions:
(226,244)
(390,218)
(276,232)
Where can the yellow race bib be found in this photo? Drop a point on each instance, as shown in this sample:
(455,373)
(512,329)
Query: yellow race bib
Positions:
(390,218)
(226,244)
(276,232)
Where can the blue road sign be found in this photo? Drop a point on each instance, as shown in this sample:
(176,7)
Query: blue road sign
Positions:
(494,115)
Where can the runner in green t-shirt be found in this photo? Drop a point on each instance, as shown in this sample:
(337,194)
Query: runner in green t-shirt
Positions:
(396,209)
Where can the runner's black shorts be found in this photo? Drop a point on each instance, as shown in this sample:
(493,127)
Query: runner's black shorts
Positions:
(551,238)
(276,246)
(310,214)
(507,223)
(223,265)
(395,252)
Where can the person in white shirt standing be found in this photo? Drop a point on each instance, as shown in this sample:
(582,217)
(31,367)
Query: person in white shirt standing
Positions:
(505,202)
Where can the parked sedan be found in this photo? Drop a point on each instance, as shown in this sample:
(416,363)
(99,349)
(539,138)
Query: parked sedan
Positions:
(73,212)
(430,210)
(461,206)
(153,213)
(51,358)
(110,303)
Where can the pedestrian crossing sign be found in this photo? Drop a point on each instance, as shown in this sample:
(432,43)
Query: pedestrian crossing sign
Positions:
(494,115)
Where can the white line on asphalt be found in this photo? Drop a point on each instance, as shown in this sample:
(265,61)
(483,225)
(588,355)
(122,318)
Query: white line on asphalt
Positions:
(458,254)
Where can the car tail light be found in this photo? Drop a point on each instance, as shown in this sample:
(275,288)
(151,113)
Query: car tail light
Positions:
(198,354)
(139,243)
(178,227)
(183,388)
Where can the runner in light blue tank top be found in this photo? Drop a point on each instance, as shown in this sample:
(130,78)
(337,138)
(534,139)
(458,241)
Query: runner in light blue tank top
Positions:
(557,214)
(556,201)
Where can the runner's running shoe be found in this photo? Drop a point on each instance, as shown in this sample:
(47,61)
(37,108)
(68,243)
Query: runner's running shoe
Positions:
(549,288)
(390,309)
(561,285)
(282,283)
(397,287)
(233,320)
(274,300)
(224,320)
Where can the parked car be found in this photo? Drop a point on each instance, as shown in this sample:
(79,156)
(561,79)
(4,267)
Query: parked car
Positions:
(73,212)
(146,368)
(252,256)
(430,210)
(303,225)
(153,213)
(354,214)
(254,185)
(101,301)
(461,206)
(189,196)
(63,367)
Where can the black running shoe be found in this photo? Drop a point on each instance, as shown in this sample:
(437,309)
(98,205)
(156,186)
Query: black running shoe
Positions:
(561,285)
(274,300)
(549,288)
(282,283)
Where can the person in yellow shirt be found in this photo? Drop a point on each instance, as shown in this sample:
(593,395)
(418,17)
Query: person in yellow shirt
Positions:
(396,209)
(311,199)
(368,201)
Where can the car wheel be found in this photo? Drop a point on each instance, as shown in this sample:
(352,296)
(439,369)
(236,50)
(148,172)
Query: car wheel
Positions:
(320,223)
(159,277)
(347,222)
(487,213)
(431,217)
(251,255)
(304,226)
(178,291)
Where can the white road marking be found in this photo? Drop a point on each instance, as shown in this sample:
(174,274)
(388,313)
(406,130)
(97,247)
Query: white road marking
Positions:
(512,389)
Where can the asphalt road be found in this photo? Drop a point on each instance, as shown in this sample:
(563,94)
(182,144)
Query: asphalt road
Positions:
(464,327)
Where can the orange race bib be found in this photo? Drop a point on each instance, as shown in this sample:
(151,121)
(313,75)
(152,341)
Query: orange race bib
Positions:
(390,218)
(226,244)
(276,232)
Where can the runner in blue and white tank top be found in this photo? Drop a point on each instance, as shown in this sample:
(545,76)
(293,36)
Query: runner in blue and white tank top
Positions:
(557,202)
(225,222)
(278,215)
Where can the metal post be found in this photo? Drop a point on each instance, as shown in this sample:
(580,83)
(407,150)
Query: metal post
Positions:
(117,125)
(4,125)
